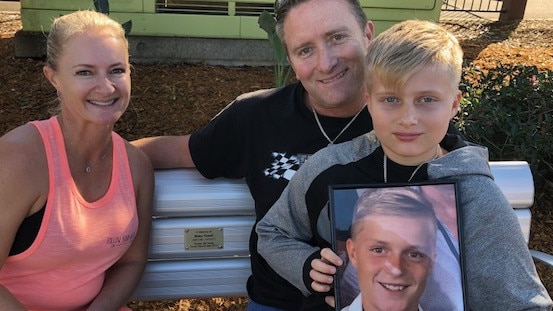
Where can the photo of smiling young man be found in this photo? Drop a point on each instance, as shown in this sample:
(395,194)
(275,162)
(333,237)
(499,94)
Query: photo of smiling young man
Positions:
(392,248)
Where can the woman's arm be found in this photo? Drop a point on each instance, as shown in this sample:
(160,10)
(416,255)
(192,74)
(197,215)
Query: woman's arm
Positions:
(8,301)
(23,191)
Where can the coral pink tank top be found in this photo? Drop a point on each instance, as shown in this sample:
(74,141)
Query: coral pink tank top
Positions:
(78,241)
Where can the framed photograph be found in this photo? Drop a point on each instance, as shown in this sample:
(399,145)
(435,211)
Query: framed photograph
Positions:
(401,246)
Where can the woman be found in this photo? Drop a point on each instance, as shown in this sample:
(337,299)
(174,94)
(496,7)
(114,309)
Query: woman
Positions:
(75,211)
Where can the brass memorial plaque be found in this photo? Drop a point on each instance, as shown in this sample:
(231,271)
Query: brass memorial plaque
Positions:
(203,238)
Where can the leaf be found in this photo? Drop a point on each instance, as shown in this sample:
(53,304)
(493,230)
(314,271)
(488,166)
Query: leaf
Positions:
(102,6)
(127,26)
(267,22)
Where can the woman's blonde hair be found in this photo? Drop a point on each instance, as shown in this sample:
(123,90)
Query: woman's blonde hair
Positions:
(75,23)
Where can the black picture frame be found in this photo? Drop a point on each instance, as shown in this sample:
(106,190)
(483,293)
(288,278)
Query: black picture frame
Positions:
(445,284)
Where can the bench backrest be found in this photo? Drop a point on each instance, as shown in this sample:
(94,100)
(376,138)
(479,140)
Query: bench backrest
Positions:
(201,229)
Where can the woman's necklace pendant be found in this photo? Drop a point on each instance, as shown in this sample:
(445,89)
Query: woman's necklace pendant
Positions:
(88,168)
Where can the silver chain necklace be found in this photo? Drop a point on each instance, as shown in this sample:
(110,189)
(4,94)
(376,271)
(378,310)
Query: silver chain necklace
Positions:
(88,168)
(331,141)
(385,165)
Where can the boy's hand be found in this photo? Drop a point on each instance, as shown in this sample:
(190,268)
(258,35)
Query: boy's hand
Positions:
(323,270)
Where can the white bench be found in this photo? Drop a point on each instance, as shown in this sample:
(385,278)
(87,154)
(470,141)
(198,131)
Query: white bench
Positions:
(201,229)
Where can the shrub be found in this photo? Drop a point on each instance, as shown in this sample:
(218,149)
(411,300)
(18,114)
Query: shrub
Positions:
(510,111)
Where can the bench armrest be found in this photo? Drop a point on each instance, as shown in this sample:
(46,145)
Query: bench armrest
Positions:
(542,257)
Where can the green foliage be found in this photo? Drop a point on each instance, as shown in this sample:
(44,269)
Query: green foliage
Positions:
(127,26)
(102,6)
(267,22)
(510,111)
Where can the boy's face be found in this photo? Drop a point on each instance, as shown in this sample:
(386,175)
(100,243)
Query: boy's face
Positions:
(393,256)
(411,122)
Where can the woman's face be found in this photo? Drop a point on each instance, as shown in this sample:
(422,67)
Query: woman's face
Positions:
(93,77)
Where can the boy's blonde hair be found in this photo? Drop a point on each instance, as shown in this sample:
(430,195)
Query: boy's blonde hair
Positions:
(407,47)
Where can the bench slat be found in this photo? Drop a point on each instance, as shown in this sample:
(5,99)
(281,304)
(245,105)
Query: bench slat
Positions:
(223,277)
(186,192)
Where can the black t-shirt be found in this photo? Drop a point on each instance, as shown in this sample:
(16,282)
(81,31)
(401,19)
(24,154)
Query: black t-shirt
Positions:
(264,137)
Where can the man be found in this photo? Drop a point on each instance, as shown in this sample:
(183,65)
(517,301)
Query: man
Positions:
(265,136)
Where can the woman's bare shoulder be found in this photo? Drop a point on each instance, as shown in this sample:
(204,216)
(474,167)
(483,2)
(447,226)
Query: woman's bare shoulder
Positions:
(21,146)
(24,169)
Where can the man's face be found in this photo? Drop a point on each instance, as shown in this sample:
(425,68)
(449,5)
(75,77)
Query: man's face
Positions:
(393,256)
(326,48)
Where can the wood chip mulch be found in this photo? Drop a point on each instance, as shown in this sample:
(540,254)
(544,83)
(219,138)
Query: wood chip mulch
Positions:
(175,99)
